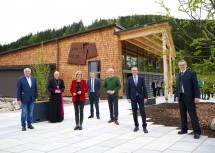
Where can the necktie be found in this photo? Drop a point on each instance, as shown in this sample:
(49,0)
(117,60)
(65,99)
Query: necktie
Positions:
(135,80)
(181,84)
(92,85)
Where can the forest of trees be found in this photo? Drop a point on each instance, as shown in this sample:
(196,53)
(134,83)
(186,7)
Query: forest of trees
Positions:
(180,40)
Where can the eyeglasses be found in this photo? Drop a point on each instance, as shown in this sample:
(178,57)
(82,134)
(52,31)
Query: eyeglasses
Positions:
(182,65)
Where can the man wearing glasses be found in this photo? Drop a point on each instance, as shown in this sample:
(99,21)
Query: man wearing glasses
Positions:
(188,95)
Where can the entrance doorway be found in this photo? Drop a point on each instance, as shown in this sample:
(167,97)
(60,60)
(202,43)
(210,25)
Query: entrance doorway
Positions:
(125,77)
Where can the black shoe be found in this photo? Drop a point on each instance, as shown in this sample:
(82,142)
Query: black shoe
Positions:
(76,128)
(30,127)
(196,136)
(145,130)
(98,117)
(23,128)
(182,132)
(136,129)
(80,128)
(91,116)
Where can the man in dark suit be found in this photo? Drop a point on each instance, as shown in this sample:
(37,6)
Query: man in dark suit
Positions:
(137,94)
(93,93)
(26,96)
(188,95)
(154,88)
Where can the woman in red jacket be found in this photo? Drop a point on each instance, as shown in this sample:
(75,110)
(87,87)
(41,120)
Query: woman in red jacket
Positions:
(78,90)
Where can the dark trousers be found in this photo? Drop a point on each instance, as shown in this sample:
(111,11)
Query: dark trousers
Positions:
(113,107)
(94,99)
(79,111)
(174,97)
(158,93)
(191,108)
(142,111)
(154,92)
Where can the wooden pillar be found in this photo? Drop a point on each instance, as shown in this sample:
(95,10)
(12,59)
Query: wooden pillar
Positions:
(165,65)
(170,72)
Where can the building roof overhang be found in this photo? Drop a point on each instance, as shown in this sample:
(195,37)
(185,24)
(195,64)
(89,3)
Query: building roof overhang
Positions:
(150,37)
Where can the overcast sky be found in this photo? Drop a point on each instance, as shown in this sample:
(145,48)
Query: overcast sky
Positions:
(21,17)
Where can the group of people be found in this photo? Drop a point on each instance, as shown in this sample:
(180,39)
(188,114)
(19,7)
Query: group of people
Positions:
(187,94)
(136,92)
(158,88)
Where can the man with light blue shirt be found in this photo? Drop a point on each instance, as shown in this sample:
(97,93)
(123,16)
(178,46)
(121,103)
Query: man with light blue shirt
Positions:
(26,96)
(93,93)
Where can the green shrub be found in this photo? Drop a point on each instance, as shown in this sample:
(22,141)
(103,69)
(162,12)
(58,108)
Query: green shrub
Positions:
(41,72)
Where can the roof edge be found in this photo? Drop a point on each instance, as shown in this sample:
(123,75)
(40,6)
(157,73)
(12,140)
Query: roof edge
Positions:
(64,37)
(19,67)
(142,26)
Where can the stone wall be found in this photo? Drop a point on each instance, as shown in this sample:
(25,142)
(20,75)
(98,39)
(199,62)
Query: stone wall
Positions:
(8,104)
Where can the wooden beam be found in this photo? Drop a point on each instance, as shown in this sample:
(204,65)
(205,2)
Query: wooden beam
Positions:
(134,42)
(149,43)
(155,51)
(140,33)
(170,73)
(147,48)
(157,37)
(154,40)
(171,45)
(165,66)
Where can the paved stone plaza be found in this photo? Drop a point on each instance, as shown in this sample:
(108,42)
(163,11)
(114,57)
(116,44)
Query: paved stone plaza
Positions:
(97,135)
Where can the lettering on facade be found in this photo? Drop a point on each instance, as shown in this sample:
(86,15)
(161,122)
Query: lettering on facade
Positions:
(80,52)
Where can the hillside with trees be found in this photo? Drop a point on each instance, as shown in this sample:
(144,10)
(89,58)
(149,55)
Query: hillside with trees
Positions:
(182,37)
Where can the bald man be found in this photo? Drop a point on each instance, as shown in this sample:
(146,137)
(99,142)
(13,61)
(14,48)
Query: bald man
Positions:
(26,96)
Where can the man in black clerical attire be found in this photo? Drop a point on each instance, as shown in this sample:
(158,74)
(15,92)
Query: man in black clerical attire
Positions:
(56,105)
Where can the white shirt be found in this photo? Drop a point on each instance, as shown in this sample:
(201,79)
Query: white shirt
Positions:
(183,71)
(29,81)
(92,84)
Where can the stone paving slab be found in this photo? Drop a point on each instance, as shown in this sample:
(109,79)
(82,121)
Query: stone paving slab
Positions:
(97,135)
